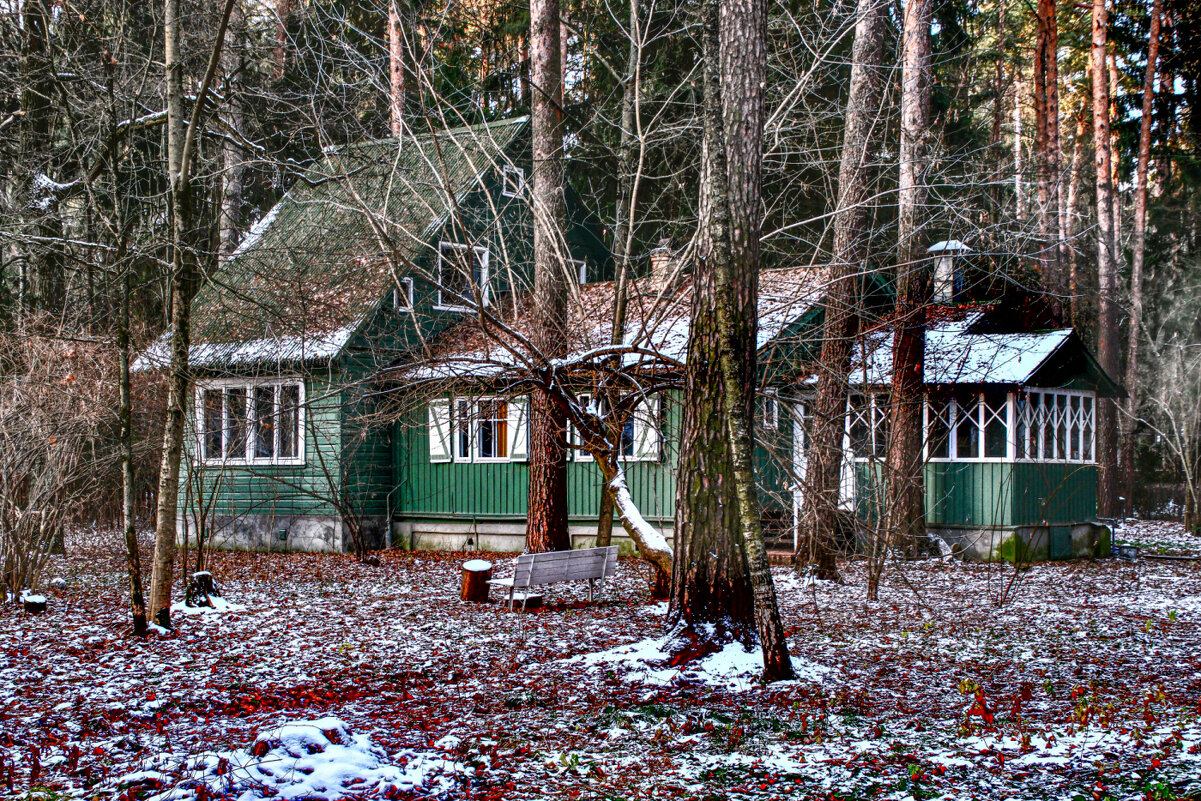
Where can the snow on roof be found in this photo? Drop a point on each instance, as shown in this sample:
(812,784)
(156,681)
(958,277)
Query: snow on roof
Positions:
(957,355)
(658,324)
(949,244)
(318,347)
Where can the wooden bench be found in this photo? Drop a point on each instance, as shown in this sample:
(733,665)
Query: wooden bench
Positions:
(556,567)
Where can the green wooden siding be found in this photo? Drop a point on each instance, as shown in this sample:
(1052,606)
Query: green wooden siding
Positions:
(500,490)
(971,494)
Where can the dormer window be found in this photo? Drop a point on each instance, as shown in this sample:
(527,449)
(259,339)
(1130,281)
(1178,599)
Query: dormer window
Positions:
(402,296)
(462,277)
(512,181)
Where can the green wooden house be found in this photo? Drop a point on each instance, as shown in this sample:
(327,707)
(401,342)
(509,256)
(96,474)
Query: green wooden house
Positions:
(348,388)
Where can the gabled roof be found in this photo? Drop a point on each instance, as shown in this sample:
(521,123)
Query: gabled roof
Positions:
(313,268)
(657,322)
(962,351)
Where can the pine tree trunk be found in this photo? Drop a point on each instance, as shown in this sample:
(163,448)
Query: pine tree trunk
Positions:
(1107,317)
(1139,245)
(905,519)
(737,180)
(396,79)
(234,168)
(1046,106)
(546,525)
(710,580)
(852,231)
(1073,214)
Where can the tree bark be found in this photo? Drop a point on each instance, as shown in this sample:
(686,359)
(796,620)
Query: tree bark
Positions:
(234,168)
(852,231)
(1073,213)
(711,583)
(1107,317)
(1139,245)
(184,281)
(1046,108)
(546,526)
(734,128)
(396,75)
(905,518)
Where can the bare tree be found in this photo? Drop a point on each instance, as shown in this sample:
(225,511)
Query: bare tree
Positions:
(852,227)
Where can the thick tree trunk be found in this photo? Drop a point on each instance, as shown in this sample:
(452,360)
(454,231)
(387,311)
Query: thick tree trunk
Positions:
(852,232)
(736,115)
(234,168)
(133,559)
(546,526)
(1107,317)
(279,56)
(905,518)
(1139,246)
(1073,214)
(710,581)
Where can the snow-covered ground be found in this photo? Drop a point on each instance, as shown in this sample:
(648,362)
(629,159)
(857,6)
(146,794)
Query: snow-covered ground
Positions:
(323,678)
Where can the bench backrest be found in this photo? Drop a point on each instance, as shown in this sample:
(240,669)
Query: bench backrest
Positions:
(556,566)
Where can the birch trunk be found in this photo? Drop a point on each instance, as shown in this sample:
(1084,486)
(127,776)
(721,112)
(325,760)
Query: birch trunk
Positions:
(852,231)
(546,525)
(905,519)
(1139,246)
(1107,316)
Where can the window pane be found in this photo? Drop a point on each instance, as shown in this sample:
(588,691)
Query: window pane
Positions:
(459,269)
(1074,428)
(463,429)
(235,423)
(264,422)
(1021,413)
(289,421)
(939,429)
(880,426)
(996,425)
(967,428)
(860,434)
(1061,429)
(494,429)
(211,423)
(1089,423)
(627,437)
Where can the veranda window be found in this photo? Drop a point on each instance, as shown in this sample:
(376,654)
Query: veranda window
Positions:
(968,426)
(867,426)
(1056,426)
(250,422)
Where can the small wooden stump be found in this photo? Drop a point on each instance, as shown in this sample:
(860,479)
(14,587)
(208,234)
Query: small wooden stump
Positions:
(476,575)
(34,604)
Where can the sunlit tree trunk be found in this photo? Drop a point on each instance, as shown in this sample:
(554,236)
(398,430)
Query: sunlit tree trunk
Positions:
(1139,246)
(852,231)
(546,525)
(1107,317)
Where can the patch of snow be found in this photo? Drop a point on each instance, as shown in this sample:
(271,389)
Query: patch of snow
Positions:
(733,666)
(477,564)
(310,759)
(256,231)
(219,605)
(314,347)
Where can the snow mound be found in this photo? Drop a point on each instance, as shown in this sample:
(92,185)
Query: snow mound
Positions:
(733,666)
(219,605)
(310,760)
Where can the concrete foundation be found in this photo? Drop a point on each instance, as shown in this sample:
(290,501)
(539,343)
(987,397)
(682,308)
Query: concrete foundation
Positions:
(1027,543)
(312,533)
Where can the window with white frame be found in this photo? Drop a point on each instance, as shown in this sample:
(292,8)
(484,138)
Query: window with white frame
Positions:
(250,422)
(402,295)
(1056,426)
(462,276)
(512,181)
(478,429)
(641,435)
(968,426)
(580,267)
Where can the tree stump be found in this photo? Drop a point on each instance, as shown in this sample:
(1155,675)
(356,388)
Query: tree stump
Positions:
(34,604)
(476,574)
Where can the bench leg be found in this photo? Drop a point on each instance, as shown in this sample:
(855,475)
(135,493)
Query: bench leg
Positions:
(510,597)
(591,586)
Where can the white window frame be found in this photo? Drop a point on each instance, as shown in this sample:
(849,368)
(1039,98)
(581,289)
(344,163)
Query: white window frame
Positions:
(581,270)
(506,184)
(637,422)
(249,385)
(481,253)
(516,431)
(979,410)
(877,414)
(1048,429)
(405,290)
(478,429)
(771,410)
